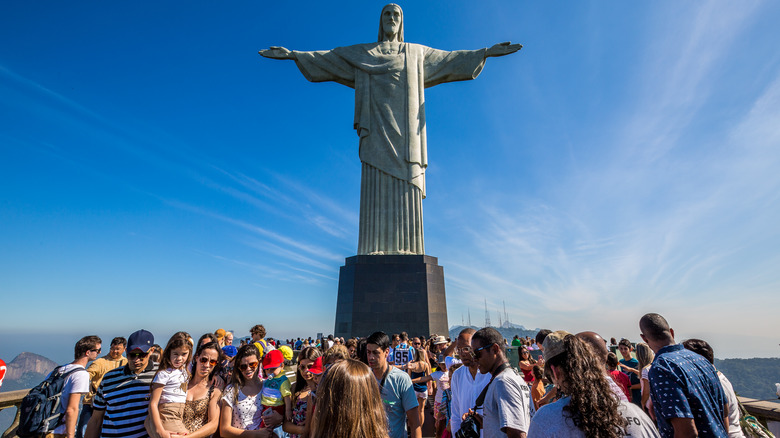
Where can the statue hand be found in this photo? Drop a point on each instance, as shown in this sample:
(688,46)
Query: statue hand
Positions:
(502,49)
(275,52)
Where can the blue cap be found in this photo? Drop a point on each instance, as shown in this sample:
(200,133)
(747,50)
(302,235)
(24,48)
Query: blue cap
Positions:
(229,350)
(140,340)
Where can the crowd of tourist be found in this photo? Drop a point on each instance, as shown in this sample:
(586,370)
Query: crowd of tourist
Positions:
(390,385)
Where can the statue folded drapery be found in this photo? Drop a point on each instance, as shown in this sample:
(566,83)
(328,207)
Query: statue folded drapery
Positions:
(389,81)
(389,78)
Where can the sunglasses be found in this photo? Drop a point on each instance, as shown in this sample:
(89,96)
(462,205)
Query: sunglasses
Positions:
(211,362)
(251,366)
(478,351)
(96,350)
(137,355)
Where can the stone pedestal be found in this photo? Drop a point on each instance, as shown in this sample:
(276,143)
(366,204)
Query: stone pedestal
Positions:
(391,293)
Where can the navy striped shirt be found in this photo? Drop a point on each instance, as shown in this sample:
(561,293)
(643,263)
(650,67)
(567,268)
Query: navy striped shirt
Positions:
(124,396)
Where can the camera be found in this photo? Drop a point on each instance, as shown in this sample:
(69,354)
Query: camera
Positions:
(469,428)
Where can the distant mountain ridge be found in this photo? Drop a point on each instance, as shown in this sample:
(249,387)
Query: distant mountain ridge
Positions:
(24,372)
(28,363)
(507,330)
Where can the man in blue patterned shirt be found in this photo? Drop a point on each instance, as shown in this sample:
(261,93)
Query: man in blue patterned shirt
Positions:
(688,399)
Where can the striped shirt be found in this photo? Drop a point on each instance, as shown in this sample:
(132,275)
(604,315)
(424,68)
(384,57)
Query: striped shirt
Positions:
(124,396)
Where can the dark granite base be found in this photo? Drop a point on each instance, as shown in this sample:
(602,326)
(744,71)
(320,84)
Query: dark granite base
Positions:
(391,293)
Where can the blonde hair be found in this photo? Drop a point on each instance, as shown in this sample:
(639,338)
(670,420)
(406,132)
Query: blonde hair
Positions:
(334,354)
(644,355)
(348,387)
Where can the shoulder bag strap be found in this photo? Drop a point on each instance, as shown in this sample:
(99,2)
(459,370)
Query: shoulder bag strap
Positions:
(481,398)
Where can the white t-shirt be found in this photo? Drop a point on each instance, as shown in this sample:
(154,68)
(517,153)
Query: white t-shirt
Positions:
(506,405)
(174,385)
(247,411)
(551,421)
(76,383)
(442,382)
(735,431)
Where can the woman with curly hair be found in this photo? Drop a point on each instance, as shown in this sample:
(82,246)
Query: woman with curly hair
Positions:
(349,387)
(589,408)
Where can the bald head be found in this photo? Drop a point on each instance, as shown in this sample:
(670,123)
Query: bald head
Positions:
(597,344)
(655,328)
(466,334)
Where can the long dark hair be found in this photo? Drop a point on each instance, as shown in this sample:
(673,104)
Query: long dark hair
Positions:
(592,406)
(220,357)
(309,353)
(237,379)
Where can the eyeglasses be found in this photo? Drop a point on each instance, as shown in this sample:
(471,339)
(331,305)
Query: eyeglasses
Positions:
(465,351)
(96,350)
(133,356)
(211,362)
(251,366)
(478,351)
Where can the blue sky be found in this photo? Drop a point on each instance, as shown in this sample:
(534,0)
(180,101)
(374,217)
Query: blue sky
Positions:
(156,172)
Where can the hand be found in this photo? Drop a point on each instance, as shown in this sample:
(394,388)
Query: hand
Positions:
(273,419)
(275,52)
(477,417)
(501,49)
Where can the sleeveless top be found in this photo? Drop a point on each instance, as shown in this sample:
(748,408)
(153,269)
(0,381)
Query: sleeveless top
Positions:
(419,387)
(196,412)
(299,413)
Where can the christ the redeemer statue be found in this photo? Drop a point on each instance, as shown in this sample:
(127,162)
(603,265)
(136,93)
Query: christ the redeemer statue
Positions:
(389,78)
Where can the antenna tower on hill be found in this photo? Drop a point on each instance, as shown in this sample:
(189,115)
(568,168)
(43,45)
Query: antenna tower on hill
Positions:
(487,315)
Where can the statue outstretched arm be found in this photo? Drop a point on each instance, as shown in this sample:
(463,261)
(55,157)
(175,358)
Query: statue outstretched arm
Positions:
(275,52)
(501,49)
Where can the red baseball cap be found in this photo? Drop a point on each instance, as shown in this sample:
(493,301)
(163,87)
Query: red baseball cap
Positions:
(316,367)
(273,359)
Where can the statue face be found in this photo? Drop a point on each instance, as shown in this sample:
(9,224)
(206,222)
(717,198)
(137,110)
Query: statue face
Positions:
(391,19)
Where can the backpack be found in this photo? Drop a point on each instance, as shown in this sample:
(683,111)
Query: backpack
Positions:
(751,427)
(39,411)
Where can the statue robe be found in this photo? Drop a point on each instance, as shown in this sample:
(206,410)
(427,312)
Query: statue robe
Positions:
(389,81)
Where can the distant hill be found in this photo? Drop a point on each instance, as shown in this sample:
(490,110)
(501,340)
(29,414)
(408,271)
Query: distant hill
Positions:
(24,372)
(507,330)
(28,364)
(754,378)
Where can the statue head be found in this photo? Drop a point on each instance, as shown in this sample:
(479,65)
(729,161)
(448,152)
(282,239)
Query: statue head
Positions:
(392,15)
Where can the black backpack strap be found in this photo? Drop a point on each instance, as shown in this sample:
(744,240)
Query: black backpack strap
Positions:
(481,398)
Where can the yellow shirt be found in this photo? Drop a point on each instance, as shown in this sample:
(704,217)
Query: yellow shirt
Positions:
(97,370)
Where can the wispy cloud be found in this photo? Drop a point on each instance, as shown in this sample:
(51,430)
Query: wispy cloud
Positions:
(649,219)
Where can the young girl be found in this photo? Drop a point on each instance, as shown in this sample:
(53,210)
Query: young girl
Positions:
(169,390)
(304,385)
